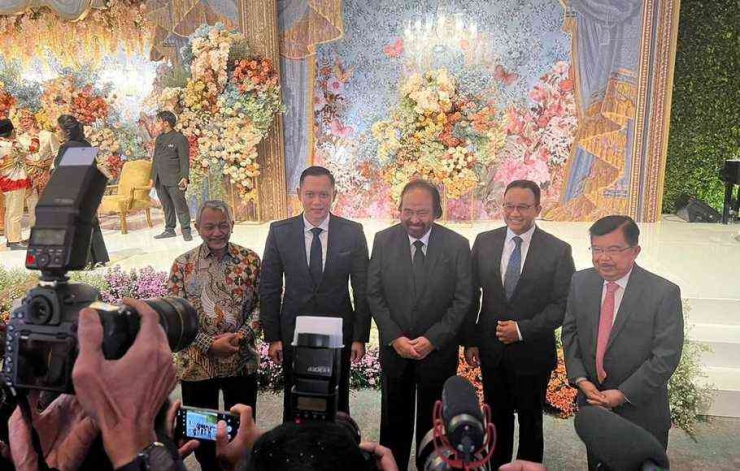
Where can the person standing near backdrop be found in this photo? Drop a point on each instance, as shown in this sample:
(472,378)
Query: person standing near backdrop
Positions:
(171,174)
(319,255)
(524,274)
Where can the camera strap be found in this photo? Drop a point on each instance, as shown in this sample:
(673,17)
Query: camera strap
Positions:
(35,440)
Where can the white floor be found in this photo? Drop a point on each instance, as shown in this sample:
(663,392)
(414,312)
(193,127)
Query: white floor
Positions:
(703,259)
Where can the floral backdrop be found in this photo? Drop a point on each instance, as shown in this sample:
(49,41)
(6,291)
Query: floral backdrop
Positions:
(471,121)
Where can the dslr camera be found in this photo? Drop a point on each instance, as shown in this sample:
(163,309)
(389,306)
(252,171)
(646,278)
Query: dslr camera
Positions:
(41,343)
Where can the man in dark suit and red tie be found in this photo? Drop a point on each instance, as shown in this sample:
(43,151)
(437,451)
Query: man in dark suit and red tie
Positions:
(623,330)
(318,254)
(419,290)
(524,274)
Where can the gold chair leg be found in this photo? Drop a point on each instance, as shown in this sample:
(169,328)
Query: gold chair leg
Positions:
(124,227)
(149,217)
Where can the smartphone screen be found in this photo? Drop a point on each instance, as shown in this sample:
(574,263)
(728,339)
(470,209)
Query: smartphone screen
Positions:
(202,424)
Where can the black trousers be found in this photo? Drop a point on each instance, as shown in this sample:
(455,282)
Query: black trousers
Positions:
(204,394)
(505,391)
(98,252)
(173,202)
(343,402)
(406,401)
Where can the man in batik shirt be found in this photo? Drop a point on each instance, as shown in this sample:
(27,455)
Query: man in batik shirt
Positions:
(220,279)
(38,163)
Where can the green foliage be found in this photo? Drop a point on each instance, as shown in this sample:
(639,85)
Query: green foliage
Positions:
(705,116)
(689,397)
(177,77)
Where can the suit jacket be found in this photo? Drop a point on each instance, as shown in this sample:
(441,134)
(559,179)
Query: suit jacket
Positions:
(171,159)
(537,305)
(346,261)
(644,345)
(437,313)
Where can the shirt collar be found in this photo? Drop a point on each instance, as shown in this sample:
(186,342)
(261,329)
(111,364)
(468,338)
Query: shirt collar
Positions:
(526,237)
(205,251)
(424,238)
(324,224)
(622,282)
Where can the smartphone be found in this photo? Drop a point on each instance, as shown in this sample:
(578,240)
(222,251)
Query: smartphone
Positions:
(201,424)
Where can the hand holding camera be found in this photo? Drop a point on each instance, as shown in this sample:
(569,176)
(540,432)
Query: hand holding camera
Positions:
(110,391)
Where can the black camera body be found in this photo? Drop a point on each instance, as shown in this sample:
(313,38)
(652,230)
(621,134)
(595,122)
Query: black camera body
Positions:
(316,369)
(41,344)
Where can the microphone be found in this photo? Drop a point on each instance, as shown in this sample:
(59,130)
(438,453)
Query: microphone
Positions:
(463,418)
(617,443)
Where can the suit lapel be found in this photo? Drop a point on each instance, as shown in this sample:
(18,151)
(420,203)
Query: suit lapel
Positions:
(332,248)
(299,247)
(529,263)
(593,290)
(630,299)
(436,245)
(498,252)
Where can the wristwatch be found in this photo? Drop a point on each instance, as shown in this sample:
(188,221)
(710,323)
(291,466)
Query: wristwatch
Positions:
(155,457)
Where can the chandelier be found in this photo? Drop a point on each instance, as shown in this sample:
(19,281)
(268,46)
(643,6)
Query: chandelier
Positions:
(442,33)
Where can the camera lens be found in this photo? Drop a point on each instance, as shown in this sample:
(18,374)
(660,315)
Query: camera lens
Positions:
(179,320)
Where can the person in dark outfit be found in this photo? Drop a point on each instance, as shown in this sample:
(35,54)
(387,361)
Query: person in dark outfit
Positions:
(170,174)
(72,134)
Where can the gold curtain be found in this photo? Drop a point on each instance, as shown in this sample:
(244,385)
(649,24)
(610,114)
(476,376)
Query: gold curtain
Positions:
(321,24)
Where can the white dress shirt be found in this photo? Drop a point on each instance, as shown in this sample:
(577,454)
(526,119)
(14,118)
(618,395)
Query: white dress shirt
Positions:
(424,239)
(323,237)
(510,245)
(618,294)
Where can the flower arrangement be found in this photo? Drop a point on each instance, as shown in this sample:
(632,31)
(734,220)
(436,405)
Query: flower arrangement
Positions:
(539,137)
(137,284)
(109,151)
(226,106)
(366,373)
(561,396)
(270,374)
(73,94)
(438,133)
(39,31)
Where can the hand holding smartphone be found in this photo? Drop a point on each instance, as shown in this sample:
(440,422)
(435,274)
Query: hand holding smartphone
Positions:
(201,424)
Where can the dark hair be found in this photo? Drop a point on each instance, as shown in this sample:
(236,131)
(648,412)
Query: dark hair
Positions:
(311,446)
(71,127)
(423,185)
(6,127)
(526,185)
(317,171)
(167,116)
(609,224)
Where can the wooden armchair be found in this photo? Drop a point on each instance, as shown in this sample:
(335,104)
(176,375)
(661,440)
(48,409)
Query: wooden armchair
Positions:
(131,194)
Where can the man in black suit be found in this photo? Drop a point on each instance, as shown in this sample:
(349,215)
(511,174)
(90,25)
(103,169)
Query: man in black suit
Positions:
(419,290)
(171,175)
(524,273)
(318,253)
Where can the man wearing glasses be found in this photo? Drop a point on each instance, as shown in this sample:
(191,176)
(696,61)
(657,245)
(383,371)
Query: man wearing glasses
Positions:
(524,274)
(623,330)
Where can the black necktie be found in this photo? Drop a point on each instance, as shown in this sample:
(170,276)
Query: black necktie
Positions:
(418,267)
(315,266)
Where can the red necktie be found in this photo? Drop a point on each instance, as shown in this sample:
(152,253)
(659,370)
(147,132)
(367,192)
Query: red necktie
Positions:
(606,320)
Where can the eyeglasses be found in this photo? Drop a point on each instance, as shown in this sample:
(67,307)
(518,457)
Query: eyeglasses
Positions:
(611,251)
(509,208)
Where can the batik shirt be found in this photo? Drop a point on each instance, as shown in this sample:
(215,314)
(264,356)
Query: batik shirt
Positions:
(225,293)
(13,175)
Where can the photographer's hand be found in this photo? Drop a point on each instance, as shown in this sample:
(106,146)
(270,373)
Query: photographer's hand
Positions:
(65,430)
(230,454)
(384,459)
(185,448)
(124,396)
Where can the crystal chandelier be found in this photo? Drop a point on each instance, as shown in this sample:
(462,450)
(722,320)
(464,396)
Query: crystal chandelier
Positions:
(439,34)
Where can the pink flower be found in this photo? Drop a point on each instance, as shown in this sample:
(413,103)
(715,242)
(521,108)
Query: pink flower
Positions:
(319,101)
(538,94)
(334,85)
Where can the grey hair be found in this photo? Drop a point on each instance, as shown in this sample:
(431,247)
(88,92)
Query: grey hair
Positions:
(215,205)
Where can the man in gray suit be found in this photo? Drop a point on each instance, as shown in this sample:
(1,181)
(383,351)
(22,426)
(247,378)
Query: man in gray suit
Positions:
(170,174)
(623,330)
(419,289)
